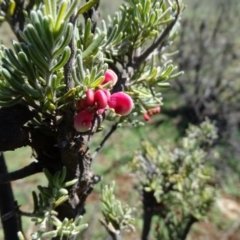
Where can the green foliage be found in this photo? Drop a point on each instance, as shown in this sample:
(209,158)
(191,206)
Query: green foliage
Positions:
(90,65)
(133,27)
(33,72)
(116,216)
(130,32)
(56,191)
(179,179)
(45,204)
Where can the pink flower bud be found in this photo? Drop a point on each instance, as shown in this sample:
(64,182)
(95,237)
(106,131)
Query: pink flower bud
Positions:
(146,117)
(100,99)
(153,111)
(83,121)
(90,97)
(121,103)
(110,76)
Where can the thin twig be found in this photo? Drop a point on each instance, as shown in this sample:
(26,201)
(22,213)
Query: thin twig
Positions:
(15,210)
(112,130)
(115,235)
(29,170)
(7,204)
(71,61)
(93,14)
(27,214)
(139,60)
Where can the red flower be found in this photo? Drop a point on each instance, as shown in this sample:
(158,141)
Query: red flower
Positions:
(90,97)
(83,121)
(100,99)
(110,76)
(121,103)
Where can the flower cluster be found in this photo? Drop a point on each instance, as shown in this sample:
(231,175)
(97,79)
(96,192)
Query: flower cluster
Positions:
(152,111)
(96,101)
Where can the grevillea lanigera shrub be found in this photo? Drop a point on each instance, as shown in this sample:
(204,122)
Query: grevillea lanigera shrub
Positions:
(68,73)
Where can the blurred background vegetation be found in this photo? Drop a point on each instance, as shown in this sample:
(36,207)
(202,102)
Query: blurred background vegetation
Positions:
(208,52)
